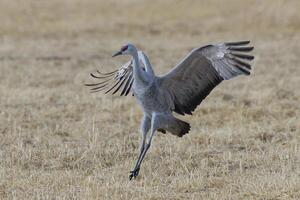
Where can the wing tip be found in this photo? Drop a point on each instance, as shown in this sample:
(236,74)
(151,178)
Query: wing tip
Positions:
(239,54)
(238,43)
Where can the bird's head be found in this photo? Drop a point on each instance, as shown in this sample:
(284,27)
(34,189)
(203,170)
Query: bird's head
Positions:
(127,49)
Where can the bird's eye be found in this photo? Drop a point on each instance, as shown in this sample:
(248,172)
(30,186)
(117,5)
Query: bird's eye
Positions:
(124,48)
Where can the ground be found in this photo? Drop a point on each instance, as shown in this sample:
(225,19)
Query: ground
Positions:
(59,141)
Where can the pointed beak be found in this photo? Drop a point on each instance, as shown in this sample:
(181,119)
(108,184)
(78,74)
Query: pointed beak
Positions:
(117,54)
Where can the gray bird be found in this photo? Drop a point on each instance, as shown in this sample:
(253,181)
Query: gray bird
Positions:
(181,90)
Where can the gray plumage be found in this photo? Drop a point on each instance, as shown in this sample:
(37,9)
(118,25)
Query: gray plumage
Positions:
(181,90)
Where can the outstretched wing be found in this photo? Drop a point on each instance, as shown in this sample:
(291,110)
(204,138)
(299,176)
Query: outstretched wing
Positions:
(188,83)
(118,80)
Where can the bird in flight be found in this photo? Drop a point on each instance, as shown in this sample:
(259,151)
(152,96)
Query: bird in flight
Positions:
(180,90)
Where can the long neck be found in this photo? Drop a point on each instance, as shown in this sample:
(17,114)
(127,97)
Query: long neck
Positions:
(146,63)
(138,74)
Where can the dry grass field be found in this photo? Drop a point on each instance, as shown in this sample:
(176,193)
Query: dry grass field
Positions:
(58,141)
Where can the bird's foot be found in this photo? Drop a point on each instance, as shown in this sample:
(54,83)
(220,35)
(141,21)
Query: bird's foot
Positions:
(134,173)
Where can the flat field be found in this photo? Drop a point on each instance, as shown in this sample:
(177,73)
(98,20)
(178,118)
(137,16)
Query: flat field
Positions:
(59,141)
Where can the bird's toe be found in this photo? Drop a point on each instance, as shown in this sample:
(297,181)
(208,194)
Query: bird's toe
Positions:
(134,173)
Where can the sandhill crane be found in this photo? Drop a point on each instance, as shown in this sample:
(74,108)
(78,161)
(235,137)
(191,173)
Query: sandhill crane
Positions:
(181,90)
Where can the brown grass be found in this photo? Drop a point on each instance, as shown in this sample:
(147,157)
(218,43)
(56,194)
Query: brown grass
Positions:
(58,141)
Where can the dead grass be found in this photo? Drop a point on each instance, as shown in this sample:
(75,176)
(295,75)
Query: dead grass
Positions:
(58,141)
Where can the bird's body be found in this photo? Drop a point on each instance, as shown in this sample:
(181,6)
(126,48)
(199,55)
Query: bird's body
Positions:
(181,90)
(150,99)
(155,101)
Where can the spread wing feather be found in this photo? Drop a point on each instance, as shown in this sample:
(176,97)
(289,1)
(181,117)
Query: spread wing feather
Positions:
(188,83)
(119,79)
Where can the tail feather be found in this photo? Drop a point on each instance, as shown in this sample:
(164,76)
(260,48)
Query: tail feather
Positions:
(179,128)
(184,128)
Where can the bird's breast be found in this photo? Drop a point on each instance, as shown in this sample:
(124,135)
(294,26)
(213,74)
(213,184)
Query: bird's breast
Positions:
(150,99)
